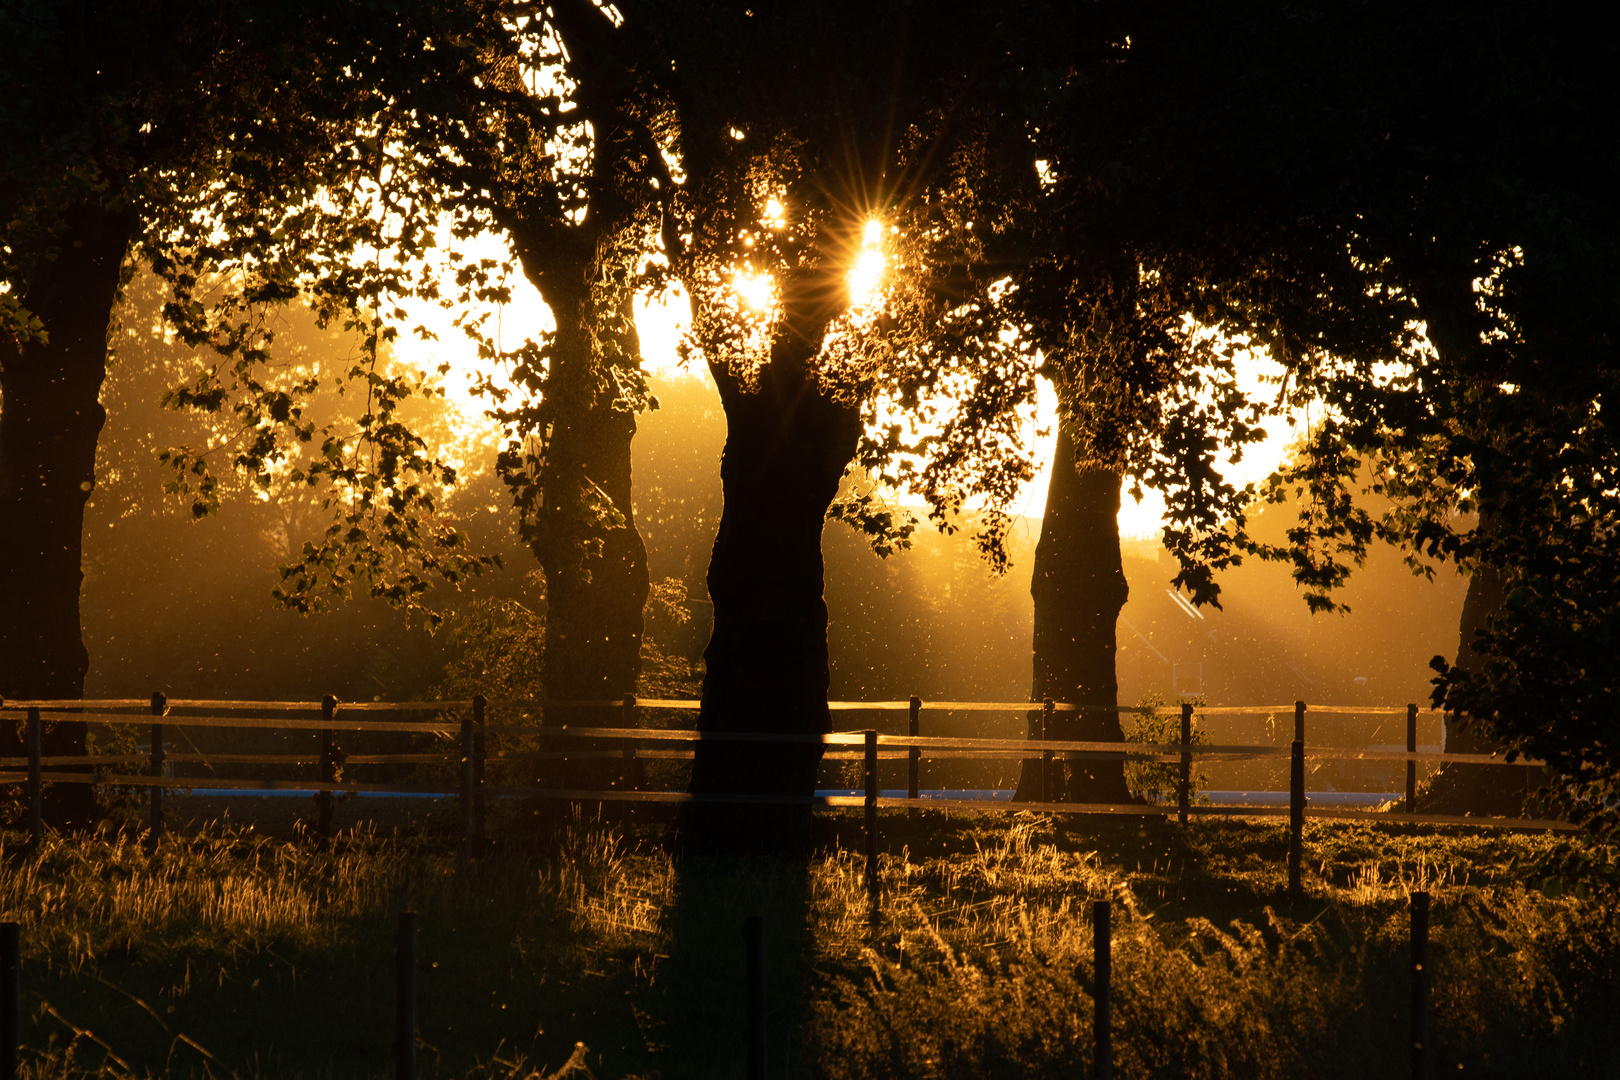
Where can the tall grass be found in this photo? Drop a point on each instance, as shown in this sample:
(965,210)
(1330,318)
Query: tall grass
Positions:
(583,951)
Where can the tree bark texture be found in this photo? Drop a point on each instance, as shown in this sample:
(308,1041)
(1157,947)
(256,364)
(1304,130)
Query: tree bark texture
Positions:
(582,527)
(596,572)
(1483,598)
(788,442)
(1457,788)
(1079,588)
(50,420)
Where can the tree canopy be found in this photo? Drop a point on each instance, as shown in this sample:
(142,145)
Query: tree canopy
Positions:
(1403,208)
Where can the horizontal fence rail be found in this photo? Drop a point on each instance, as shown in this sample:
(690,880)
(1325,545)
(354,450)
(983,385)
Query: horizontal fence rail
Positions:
(469,725)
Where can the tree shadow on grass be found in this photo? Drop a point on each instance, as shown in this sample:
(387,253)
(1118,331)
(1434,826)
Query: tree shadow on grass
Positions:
(698,1012)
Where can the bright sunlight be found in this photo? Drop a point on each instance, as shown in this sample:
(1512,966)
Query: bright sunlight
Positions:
(866,279)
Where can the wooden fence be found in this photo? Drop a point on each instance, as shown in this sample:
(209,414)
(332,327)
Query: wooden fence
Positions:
(328,716)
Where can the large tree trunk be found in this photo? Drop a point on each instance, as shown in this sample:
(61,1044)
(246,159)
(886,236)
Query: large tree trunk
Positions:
(1079,588)
(1454,327)
(1457,788)
(788,443)
(1483,598)
(50,421)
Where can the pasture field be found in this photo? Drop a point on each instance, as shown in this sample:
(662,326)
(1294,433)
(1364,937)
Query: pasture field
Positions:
(584,950)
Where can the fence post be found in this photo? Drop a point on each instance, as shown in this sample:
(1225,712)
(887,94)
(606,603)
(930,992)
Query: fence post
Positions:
(325,802)
(478,770)
(405,998)
(36,827)
(1102,1064)
(1184,793)
(1296,814)
(754,944)
(914,728)
(1411,766)
(871,812)
(1046,755)
(160,705)
(1420,982)
(10,998)
(466,788)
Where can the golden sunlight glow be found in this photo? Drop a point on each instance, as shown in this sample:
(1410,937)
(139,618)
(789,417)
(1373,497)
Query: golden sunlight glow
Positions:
(866,279)
(775,214)
(758,291)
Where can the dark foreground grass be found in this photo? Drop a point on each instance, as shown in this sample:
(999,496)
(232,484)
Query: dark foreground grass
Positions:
(585,950)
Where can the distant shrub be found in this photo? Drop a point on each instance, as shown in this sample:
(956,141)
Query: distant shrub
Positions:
(1160,782)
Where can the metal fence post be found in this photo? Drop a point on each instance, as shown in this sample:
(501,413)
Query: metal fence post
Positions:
(1411,766)
(10,998)
(160,705)
(871,811)
(325,802)
(754,944)
(1420,982)
(479,705)
(1102,1063)
(1296,815)
(914,728)
(1184,791)
(466,788)
(36,826)
(405,998)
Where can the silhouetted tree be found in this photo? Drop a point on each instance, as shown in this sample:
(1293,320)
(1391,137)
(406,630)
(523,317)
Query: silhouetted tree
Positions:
(567,173)
(207,135)
(1078,583)
(824,111)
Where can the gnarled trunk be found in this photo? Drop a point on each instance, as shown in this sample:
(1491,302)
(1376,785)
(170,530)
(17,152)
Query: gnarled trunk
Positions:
(596,569)
(1079,588)
(50,421)
(580,522)
(787,445)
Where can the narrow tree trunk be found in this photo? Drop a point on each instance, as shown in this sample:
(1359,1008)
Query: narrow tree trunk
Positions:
(579,521)
(1079,588)
(50,420)
(788,443)
(593,557)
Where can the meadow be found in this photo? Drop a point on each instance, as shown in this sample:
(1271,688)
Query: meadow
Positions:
(582,949)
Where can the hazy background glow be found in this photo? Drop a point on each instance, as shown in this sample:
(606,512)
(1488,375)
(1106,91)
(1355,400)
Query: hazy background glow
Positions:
(662,321)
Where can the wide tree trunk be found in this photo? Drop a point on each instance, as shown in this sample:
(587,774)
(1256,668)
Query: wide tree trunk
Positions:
(1457,788)
(1484,596)
(788,443)
(1454,326)
(50,420)
(1079,588)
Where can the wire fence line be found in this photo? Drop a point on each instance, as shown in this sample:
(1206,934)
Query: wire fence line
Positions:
(471,755)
